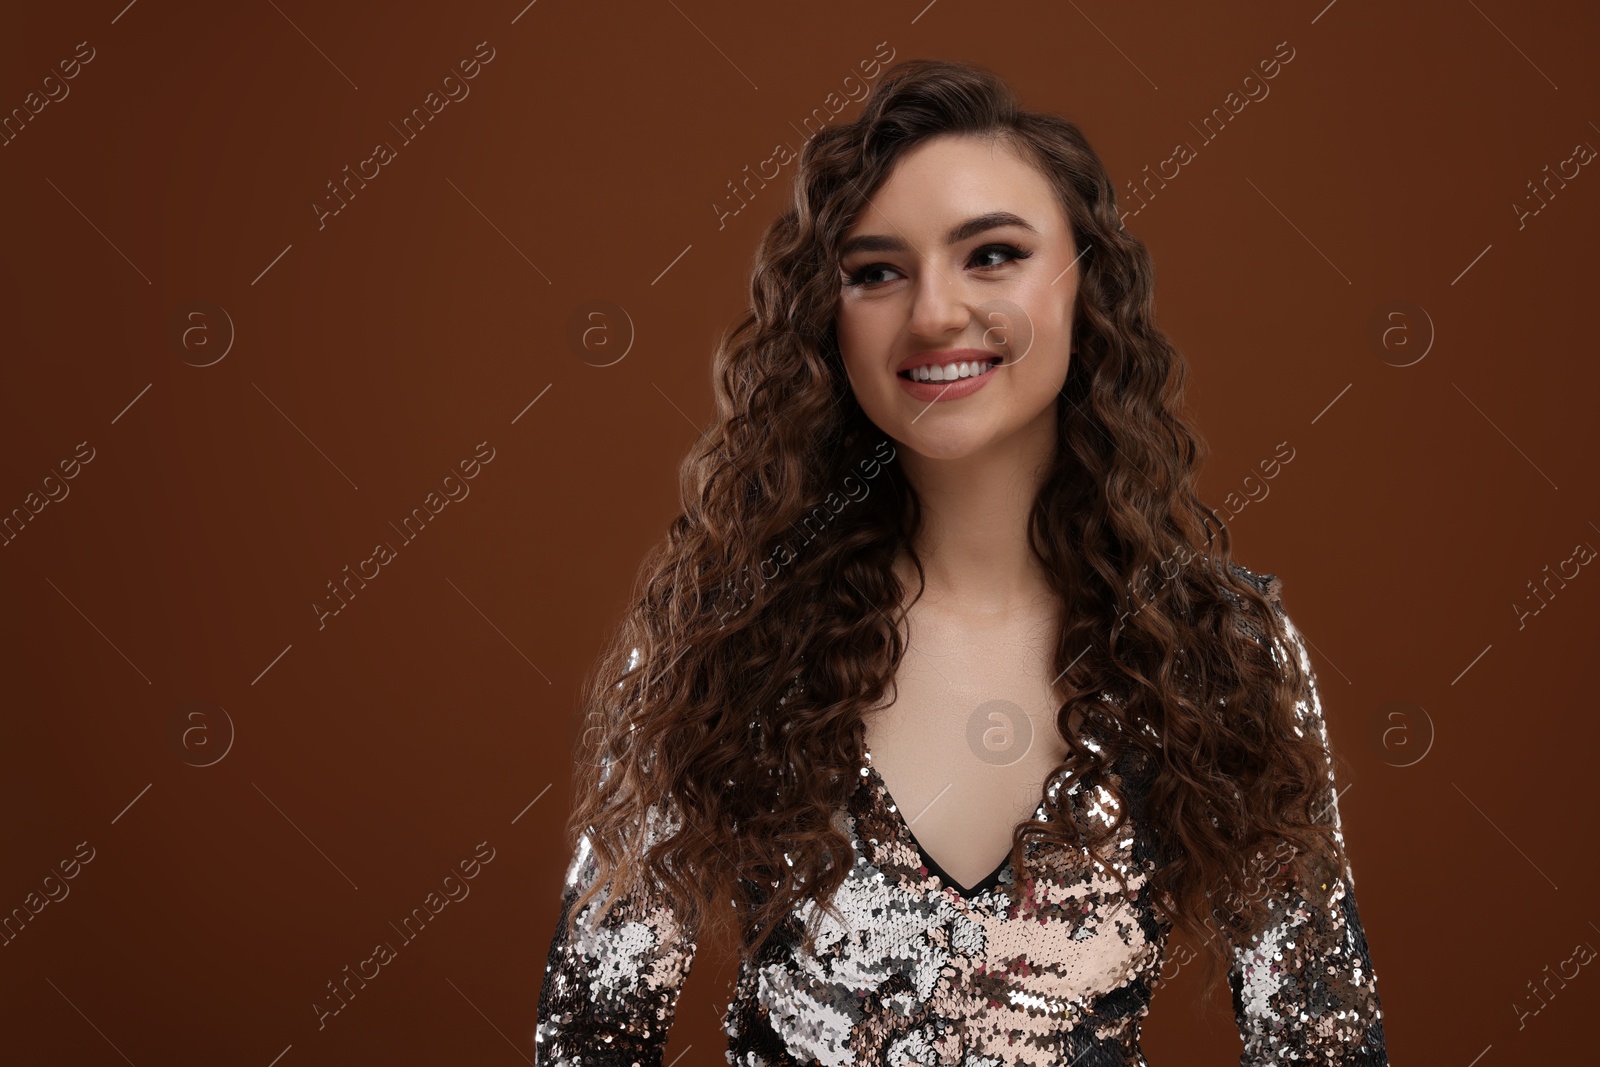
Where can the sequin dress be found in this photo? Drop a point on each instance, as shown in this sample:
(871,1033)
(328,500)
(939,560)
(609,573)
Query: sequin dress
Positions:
(924,972)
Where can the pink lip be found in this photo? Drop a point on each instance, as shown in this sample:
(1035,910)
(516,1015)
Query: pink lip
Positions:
(929,392)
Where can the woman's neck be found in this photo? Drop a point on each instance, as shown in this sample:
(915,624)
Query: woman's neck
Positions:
(976,509)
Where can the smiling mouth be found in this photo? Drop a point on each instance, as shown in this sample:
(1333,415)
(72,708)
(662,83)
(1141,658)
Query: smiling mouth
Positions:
(950,372)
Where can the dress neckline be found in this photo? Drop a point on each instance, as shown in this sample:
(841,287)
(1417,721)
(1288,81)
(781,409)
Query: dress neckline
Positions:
(901,826)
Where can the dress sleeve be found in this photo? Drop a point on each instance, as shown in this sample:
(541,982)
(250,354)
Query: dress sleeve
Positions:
(611,988)
(1304,990)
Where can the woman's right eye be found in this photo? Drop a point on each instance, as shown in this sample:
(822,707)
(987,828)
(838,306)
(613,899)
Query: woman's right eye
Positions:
(859,276)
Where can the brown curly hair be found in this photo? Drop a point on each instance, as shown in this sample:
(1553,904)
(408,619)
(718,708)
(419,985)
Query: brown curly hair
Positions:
(726,719)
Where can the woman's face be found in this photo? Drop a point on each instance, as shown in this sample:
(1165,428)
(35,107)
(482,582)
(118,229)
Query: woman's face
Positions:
(964,247)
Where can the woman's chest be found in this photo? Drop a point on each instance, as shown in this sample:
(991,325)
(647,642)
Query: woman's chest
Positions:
(903,958)
(967,739)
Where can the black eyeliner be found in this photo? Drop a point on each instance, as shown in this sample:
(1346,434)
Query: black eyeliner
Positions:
(1017,255)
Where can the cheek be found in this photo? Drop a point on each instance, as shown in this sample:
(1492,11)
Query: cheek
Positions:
(855,322)
(858,343)
(1050,309)
(1048,330)
(1052,314)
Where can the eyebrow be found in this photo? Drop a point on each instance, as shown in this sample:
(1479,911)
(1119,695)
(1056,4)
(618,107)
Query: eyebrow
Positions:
(877,242)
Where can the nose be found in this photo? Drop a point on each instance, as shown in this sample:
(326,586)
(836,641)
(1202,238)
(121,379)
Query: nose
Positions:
(939,306)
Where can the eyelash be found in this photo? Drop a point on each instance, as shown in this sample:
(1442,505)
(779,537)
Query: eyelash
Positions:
(857,277)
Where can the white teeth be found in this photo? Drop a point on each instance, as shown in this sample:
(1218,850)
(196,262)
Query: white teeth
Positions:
(949,372)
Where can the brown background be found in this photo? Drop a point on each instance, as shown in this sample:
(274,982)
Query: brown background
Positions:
(370,755)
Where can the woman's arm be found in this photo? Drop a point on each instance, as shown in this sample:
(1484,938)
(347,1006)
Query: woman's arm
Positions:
(611,989)
(1304,990)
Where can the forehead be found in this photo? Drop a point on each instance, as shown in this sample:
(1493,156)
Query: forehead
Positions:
(955,177)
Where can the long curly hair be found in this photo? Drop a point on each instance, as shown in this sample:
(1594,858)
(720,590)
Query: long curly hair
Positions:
(724,725)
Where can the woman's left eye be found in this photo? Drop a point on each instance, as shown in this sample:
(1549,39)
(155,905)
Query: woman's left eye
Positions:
(1011,251)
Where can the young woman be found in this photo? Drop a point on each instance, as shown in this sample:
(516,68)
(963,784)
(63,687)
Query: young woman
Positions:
(944,678)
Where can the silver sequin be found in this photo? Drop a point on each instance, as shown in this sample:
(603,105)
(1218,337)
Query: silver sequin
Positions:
(921,974)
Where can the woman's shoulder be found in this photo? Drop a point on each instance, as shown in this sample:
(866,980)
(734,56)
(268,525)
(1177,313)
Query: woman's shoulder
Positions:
(1248,617)
(1269,585)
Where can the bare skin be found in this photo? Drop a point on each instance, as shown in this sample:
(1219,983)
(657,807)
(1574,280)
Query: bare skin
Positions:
(961,807)
(985,625)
